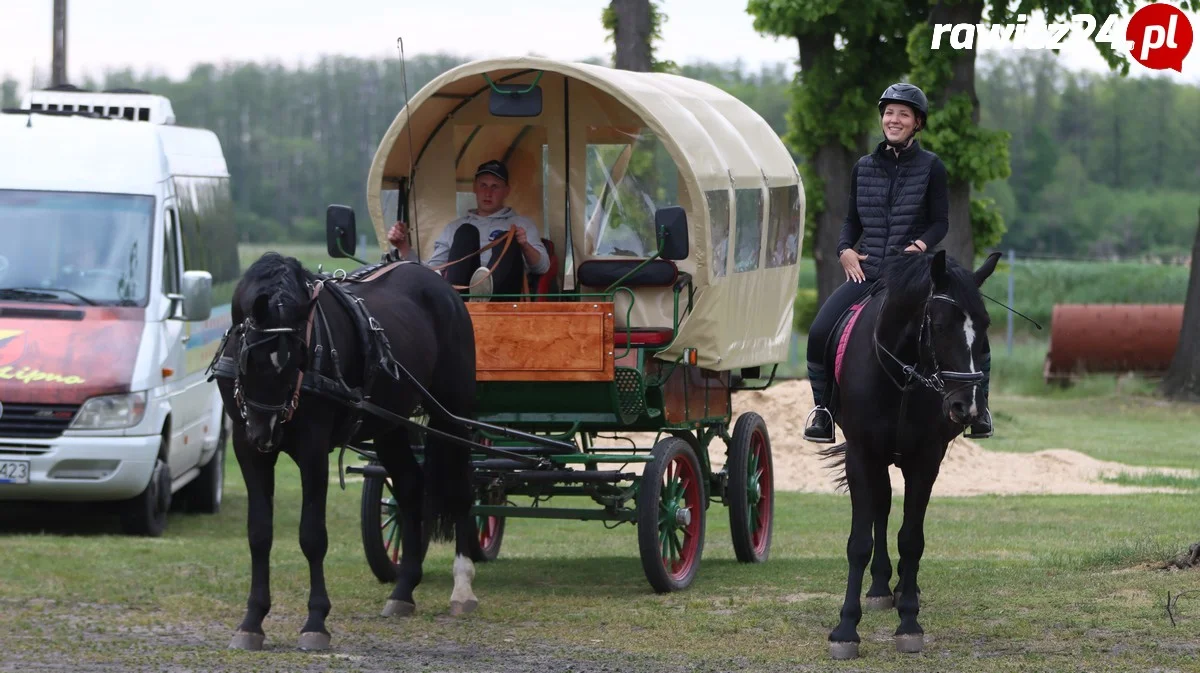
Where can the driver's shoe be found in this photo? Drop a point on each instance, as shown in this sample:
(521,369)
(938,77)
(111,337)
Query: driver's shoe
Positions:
(982,427)
(820,430)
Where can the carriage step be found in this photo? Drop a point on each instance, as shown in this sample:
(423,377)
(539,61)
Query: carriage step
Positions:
(555,513)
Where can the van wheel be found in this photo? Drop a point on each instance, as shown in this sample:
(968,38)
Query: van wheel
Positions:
(203,494)
(146,513)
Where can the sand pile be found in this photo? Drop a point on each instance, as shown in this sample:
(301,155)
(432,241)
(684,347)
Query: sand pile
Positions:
(969,469)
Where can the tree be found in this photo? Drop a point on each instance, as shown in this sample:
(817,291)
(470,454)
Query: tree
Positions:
(634,26)
(848,56)
(1182,381)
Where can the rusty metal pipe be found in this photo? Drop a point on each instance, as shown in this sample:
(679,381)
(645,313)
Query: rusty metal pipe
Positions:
(1089,338)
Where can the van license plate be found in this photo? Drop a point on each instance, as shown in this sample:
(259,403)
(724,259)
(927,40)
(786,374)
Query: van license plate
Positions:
(14,471)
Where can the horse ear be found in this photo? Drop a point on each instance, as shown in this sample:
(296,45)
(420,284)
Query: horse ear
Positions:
(938,272)
(986,269)
(261,309)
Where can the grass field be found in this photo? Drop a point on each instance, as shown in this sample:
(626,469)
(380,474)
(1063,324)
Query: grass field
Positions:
(1031,583)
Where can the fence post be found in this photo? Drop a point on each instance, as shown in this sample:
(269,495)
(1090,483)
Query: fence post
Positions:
(1012,261)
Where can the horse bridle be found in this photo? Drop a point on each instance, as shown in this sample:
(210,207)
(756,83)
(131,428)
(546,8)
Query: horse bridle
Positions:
(285,410)
(935,381)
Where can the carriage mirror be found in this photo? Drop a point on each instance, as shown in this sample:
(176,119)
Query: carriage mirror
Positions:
(340,235)
(672,228)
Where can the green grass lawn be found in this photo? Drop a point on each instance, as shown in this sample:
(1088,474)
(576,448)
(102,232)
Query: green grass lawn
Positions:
(1010,583)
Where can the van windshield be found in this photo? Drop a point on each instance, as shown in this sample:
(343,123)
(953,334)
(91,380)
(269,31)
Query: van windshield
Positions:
(78,248)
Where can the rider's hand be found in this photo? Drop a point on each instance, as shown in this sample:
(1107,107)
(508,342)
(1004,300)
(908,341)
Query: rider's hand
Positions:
(850,260)
(521,234)
(917,246)
(398,236)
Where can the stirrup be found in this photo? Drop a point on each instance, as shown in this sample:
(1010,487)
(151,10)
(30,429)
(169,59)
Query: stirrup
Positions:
(985,426)
(808,424)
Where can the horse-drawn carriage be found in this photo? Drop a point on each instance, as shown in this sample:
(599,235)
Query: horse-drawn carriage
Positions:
(672,213)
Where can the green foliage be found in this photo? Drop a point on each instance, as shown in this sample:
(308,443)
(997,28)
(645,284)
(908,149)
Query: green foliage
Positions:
(8,94)
(804,308)
(987,224)
(1040,284)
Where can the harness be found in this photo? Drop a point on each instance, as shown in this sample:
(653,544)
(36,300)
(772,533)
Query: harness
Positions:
(318,341)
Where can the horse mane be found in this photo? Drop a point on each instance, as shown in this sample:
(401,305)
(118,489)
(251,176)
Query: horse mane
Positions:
(283,280)
(907,278)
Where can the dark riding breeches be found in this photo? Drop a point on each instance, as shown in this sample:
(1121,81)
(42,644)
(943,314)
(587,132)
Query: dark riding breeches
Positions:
(822,327)
(506,279)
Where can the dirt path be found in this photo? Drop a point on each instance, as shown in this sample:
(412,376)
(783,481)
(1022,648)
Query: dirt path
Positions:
(969,469)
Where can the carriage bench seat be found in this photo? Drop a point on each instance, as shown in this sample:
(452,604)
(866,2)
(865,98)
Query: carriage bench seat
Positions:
(605,272)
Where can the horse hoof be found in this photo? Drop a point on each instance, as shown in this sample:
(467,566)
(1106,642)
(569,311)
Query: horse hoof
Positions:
(395,608)
(880,603)
(247,641)
(460,608)
(910,643)
(842,651)
(314,641)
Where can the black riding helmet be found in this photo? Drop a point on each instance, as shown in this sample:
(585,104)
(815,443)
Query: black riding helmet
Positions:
(909,95)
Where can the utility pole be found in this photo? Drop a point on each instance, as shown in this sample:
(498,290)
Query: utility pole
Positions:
(58,71)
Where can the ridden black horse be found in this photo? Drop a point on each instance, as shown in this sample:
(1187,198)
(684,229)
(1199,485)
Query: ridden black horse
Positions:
(301,348)
(908,386)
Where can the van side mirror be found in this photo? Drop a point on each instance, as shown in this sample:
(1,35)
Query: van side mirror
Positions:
(671,225)
(340,235)
(197,295)
(515,100)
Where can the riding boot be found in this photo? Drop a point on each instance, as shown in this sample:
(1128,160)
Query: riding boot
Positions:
(982,427)
(820,430)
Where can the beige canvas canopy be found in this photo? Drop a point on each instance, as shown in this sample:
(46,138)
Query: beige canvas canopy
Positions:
(609,148)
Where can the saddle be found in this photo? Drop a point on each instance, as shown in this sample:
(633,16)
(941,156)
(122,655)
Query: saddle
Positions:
(839,338)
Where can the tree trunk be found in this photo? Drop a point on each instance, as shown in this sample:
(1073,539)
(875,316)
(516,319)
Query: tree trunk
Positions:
(1182,381)
(58,67)
(833,163)
(959,242)
(632,34)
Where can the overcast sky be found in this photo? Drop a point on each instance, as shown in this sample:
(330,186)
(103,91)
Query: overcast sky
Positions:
(169,36)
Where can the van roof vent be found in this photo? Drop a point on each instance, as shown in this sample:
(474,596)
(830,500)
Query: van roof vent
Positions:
(130,104)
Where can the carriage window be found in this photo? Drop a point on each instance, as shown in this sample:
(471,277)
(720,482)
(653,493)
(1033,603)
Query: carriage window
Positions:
(783,235)
(718,222)
(749,229)
(629,176)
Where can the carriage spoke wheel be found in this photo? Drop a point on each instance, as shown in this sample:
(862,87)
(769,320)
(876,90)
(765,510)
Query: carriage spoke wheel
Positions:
(490,532)
(670,516)
(382,528)
(751,490)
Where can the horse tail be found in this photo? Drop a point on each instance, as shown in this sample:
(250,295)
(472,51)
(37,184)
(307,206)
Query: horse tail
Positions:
(836,454)
(448,483)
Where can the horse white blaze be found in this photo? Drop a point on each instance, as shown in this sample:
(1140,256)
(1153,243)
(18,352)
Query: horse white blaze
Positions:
(275,361)
(969,332)
(464,572)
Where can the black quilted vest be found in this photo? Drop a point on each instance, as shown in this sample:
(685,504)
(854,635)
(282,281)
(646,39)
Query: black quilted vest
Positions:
(893,213)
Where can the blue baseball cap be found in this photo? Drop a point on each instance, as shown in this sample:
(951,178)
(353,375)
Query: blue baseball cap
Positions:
(493,167)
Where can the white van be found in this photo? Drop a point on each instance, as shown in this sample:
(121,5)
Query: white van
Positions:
(116,238)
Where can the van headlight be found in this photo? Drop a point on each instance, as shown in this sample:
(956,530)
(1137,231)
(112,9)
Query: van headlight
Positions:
(111,411)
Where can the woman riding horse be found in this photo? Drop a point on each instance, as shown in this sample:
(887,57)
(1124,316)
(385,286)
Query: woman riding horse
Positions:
(898,197)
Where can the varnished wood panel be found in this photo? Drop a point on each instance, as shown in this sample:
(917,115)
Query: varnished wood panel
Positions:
(543,341)
(691,394)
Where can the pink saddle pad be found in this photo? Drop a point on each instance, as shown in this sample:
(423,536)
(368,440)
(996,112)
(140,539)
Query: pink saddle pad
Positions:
(855,311)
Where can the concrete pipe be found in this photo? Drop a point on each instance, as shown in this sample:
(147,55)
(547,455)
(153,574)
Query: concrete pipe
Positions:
(1089,338)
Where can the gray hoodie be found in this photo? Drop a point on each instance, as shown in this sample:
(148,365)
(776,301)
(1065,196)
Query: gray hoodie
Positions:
(490,228)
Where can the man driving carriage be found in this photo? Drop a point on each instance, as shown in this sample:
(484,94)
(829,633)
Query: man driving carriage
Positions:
(464,238)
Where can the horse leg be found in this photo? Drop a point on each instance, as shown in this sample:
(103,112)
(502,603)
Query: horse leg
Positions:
(314,541)
(258,471)
(918,485)
(879,595)
(405,472)
(864,482)
(462,599)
